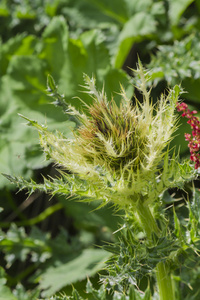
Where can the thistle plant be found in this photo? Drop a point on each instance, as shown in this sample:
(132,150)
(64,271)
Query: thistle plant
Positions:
(121,154)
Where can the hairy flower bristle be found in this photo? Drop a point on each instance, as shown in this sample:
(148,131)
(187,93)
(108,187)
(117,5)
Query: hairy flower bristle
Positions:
(112,136)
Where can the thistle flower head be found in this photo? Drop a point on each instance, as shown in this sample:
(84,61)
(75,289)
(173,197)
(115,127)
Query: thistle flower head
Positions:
(112,136)
(123,139)
(127,139)
(117,150)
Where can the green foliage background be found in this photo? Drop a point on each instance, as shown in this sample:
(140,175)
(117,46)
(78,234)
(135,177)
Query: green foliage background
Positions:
(48,245)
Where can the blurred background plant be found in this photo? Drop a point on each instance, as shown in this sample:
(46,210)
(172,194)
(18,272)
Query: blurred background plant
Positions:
(42,241)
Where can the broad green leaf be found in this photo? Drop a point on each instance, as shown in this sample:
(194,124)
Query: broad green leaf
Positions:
(139,6)
(19,148)
(141,25)
(18,45)
(116,10)
(86,264)
(54,46)
(86,54)
(176,9)
(85,15)
(27,74)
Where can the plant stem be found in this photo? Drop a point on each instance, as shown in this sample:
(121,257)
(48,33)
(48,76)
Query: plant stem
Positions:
(42,216)
(147,220)
(163,275)
(164,281)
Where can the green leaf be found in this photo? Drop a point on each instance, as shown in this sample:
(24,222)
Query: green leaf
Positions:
(5,292)
(54,45)
(141,25)
(96,294)
(176,9)
(18,45)
(76,295)
(116,10)
(134,294)
(51,84)
(89,55)
(86,264)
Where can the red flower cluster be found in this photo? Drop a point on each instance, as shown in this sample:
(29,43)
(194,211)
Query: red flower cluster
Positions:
(194,140)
